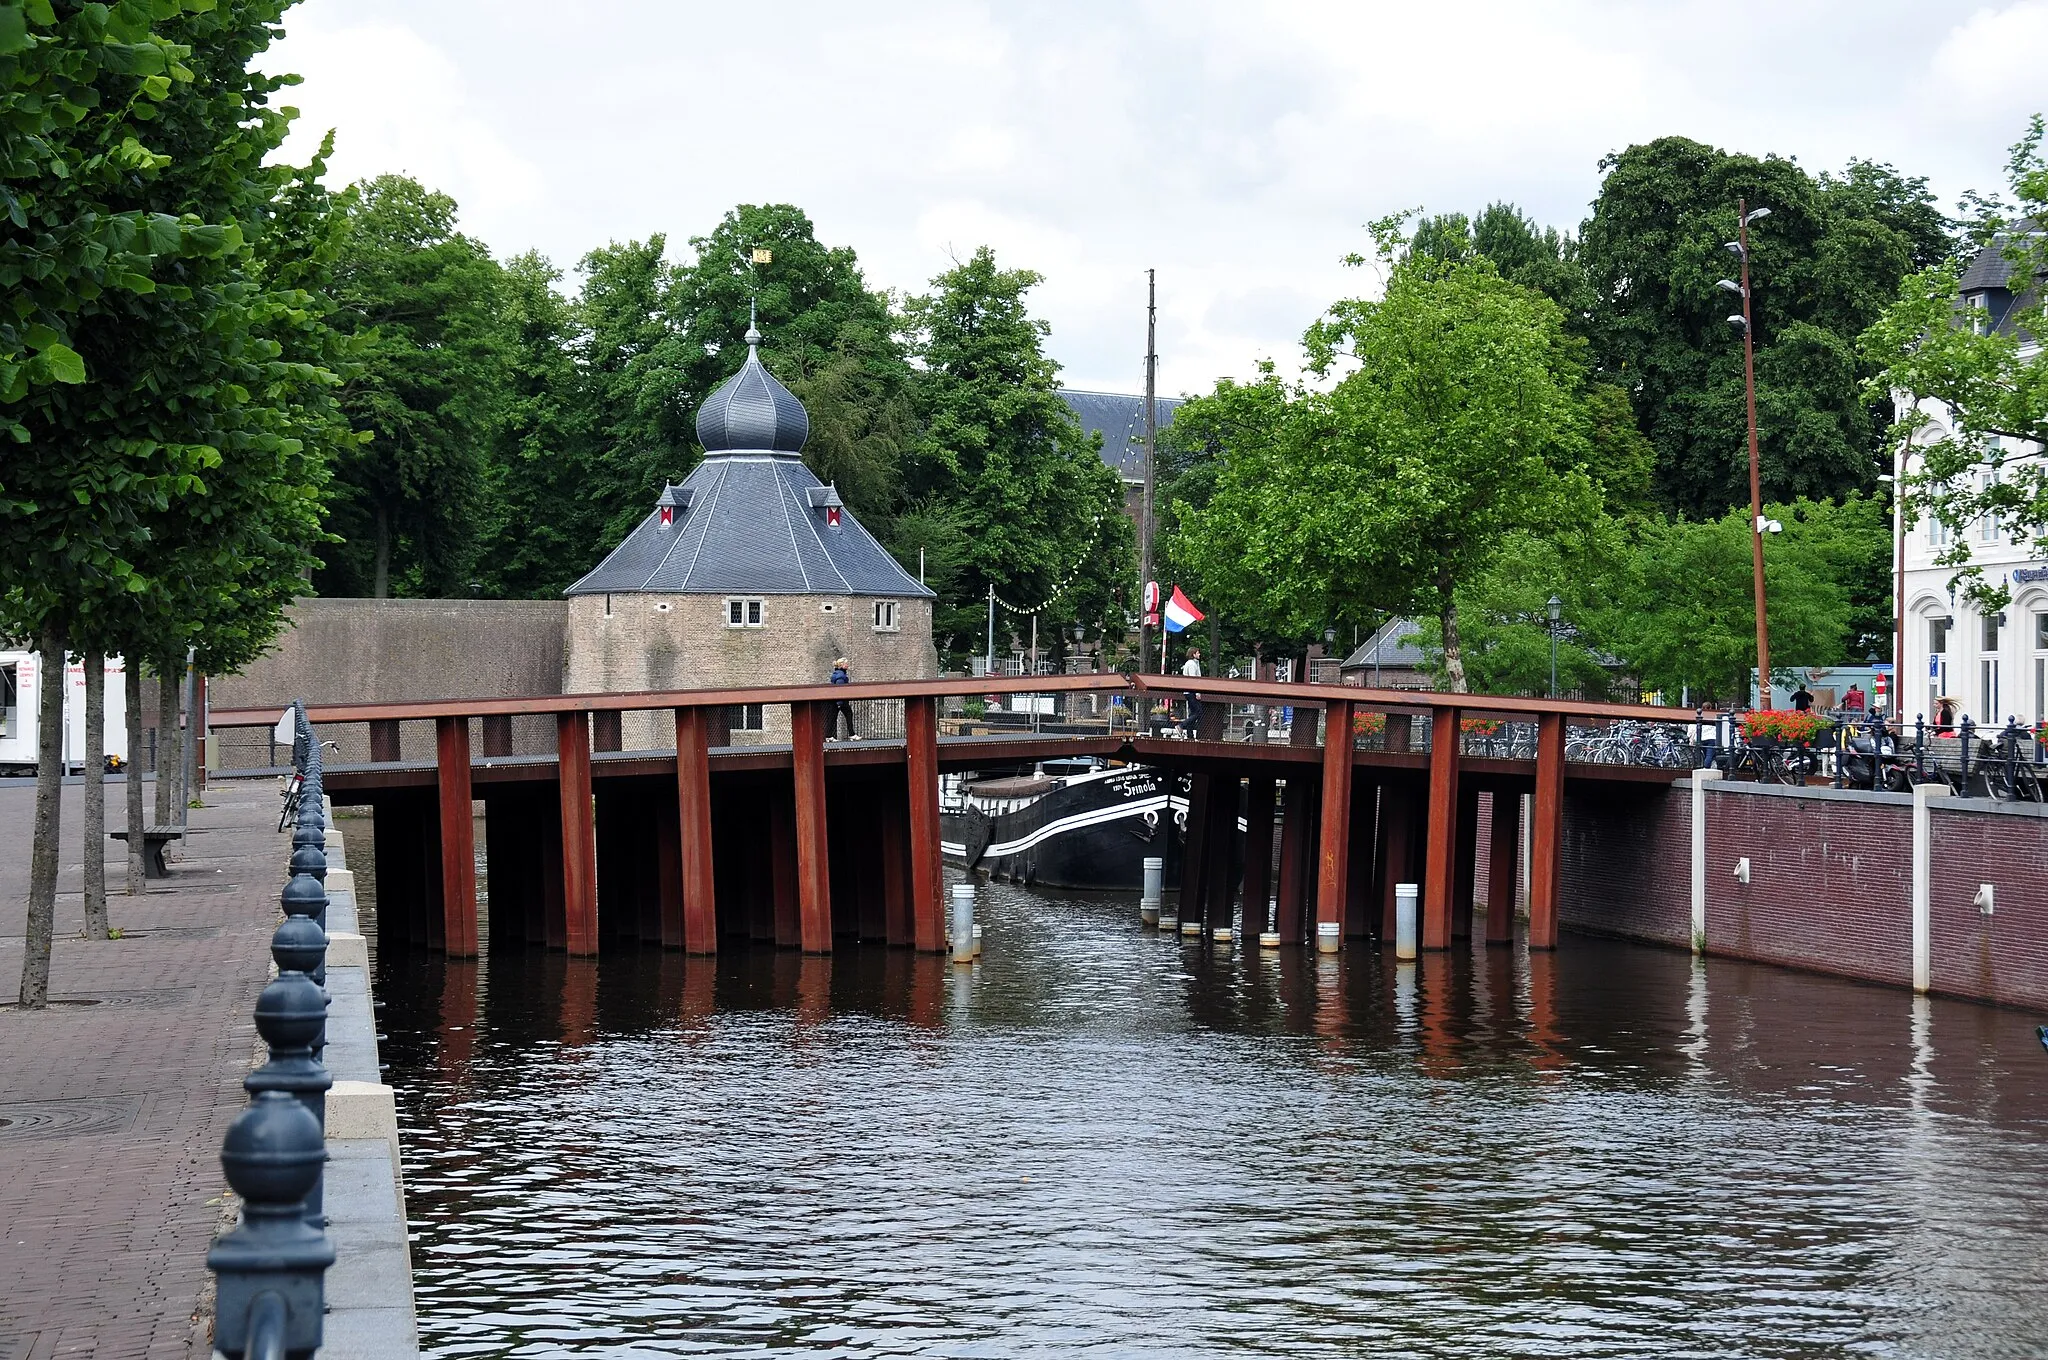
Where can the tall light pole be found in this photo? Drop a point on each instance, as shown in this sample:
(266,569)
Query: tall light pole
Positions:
(1151,459)
(1740,245)
(1556,607)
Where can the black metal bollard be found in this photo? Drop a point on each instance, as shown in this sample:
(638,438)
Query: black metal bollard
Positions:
(1969,733)
(271,1270)
(1919,748)
(2009,745)
(291,1015)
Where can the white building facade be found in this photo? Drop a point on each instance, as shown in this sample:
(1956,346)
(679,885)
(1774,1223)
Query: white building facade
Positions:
(1995,666)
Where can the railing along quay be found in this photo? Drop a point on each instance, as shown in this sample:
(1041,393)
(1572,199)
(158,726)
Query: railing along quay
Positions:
(271,1269)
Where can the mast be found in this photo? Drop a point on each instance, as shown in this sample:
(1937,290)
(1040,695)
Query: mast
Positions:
(1151,436)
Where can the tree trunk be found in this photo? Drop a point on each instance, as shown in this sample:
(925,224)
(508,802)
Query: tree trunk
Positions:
(132,703)
(168,761)
(1454,655)
(42,865)
(380,586)
(94,832)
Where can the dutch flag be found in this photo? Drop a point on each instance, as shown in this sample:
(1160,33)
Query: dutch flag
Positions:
(1181,612)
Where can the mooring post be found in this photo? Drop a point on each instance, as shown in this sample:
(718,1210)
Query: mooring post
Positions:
(1333,863)
(962,932)
(1150,893)
(927,868)
(579,832)
(813,855)
(1546,832)
(458,837)
(693,805)
(1440,860)
(270,1272)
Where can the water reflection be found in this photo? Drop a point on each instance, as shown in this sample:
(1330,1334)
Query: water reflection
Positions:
(1098,1141)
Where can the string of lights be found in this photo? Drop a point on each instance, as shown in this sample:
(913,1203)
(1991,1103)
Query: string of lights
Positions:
(1072,572)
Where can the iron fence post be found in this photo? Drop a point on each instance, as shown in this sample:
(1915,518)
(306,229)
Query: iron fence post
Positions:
(270,1272)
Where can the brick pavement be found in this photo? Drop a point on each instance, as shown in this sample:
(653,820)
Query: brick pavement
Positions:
(111,1114)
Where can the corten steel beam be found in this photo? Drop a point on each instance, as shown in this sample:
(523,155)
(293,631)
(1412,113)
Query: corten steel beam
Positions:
(788,913)
(1500,867)
(1333,860)
(813,853)
(1222,852)
(1465,864)
(1258,853)
(1395,847)
(898,906)
(384,741)
(1439,865)
(927,867)
(1297,856)
(458,838)
(1358,903)
(668,879)
(497,735)
(693,804)
(1546,831)
(579,834)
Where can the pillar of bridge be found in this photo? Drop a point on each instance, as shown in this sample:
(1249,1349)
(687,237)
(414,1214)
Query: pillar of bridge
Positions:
(1333,858)
(1298,847)
(1258,854)
(926,884)
(785,908)
(1502,853)
(1360,910)
(579,838)
(667,929)
(1465,863)
(699,876)
(854,837)
(899,915)
(457,827)
(407,835)
(1194,863)
(813,848)
(512,852)
(1546,831)
(1394,848)
(1439,864)
(1226,795)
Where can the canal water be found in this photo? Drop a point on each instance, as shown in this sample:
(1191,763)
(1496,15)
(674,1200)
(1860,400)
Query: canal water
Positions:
(1099,1141)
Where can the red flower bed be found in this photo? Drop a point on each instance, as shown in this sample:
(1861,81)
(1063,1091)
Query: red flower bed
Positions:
(1787,726)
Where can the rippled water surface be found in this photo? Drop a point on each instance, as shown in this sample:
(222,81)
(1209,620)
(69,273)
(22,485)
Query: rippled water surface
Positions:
(1102,1142)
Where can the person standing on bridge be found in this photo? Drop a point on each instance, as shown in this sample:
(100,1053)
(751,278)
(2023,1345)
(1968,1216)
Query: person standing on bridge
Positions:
(840,676)
(1192,669)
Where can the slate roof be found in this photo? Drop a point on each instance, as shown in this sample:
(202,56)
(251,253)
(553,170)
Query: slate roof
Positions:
(1396,646)
(752,519)
(1120,420)
(1990,276)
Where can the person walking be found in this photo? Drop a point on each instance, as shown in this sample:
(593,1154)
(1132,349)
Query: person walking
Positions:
(841,676)
(1854,700)
(1192,669)
(1802,699)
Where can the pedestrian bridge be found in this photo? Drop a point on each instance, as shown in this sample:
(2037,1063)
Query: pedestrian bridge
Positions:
(806,843)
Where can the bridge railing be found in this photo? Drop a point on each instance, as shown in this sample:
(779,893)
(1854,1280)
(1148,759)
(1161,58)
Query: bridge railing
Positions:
(271,1269)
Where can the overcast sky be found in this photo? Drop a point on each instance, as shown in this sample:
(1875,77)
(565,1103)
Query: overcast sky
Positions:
(1236,147)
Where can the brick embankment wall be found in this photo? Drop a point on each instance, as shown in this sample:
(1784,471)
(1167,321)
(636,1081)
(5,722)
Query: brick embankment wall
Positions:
(2002,957)
(1830,882)
(1626,864)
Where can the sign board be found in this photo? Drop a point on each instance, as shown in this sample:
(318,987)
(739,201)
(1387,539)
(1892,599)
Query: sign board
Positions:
(1152,598)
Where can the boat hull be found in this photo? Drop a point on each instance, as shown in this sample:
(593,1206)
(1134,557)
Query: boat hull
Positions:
(1091,834)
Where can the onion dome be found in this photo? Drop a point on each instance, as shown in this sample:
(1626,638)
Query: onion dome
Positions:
(751,412)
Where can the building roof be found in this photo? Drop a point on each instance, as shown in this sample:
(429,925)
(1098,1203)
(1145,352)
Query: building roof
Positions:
(1120,420)
(1988,282)
(751,519)
(1394,645)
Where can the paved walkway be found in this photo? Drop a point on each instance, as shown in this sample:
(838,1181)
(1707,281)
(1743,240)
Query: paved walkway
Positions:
(111,1113)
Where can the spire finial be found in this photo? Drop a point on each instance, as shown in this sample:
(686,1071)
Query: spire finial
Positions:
(753,335)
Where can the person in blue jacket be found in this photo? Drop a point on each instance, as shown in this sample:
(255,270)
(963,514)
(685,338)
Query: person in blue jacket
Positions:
(839,706)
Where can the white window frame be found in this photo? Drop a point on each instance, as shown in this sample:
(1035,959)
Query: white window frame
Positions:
(750,718)
(888,616)
(744,611)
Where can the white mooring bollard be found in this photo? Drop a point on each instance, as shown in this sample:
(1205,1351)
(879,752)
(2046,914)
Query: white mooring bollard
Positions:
(1270,939)
(1329,936)
(1153,891)
(964,929)
(1404,920)
(1191,930)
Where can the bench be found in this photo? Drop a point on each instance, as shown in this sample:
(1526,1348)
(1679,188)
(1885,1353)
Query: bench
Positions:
(154,839)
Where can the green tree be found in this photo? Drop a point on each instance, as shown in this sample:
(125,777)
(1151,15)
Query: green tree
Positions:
(638,393)
(423,303)
(1825,262)
(1461,423)
(1023,484)
(1993,379)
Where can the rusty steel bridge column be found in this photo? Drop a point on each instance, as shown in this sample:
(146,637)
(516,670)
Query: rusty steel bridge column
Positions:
(1333,862)
(927,869)
(813,854)
(693,807)
(1465,863)
(1297,854)
(1439,863)
(1258,855)
(579,833)
(1546,831)
(1500,867)
(458,838)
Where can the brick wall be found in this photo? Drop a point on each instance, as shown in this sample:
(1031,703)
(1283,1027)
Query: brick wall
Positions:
(2002,957)
(1830,883)
(1627,867)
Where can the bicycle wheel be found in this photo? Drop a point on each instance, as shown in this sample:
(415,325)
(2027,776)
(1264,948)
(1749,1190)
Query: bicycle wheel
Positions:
(290,811)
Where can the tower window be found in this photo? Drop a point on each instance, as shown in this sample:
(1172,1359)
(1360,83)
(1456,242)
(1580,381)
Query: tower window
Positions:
(742,613)
(886,617)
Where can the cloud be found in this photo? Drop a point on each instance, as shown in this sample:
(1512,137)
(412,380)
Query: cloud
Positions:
(1994,62)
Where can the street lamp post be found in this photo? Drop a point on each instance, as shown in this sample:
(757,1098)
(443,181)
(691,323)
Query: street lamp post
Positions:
(1556,613)
(1744,215)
